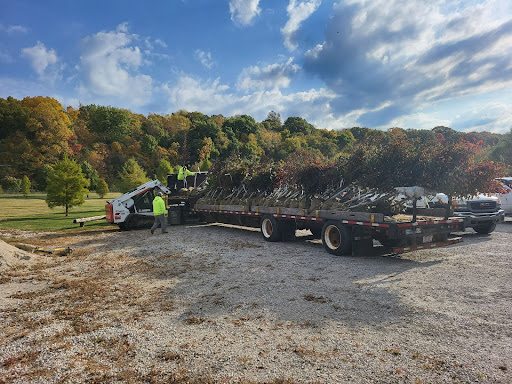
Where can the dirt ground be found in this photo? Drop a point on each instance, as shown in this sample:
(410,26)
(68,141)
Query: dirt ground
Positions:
(218,304)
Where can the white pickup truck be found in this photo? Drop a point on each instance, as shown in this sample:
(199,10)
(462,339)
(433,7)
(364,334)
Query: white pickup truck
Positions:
(482,212)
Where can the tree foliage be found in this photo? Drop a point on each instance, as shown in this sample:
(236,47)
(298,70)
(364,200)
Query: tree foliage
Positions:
(36,132)
(131,176)
(102,188)
(25,186)
(108,123)
(164,168)
(67,186)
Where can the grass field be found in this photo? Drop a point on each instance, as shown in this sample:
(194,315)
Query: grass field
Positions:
(32,213)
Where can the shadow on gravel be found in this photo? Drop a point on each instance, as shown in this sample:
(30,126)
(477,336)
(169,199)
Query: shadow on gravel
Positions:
(296,284)
(220,273)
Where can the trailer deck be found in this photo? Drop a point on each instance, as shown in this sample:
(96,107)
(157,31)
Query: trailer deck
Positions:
(399,234)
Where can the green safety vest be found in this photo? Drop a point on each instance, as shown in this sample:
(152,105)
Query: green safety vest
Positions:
(158,206)
(182,174)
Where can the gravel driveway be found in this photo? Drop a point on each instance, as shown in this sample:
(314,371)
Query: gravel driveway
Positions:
(217,304)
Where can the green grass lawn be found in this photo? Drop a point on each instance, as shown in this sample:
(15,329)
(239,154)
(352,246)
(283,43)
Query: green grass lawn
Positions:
(32,213)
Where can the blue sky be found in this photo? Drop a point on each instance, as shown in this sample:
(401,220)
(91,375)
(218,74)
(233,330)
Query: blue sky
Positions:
(338,64)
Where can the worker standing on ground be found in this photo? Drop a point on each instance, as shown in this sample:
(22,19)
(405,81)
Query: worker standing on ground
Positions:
(182,176)
(159,213)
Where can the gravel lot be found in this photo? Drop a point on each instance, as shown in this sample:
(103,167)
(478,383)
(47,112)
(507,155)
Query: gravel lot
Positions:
(217,304)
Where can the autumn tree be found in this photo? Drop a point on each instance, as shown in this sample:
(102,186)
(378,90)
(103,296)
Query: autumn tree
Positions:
(33,132)
(196,135)
(131,176)
(67,186)
(177,127)
(48,127)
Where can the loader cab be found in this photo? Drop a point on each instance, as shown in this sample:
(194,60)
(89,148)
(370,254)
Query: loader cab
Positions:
(144,202)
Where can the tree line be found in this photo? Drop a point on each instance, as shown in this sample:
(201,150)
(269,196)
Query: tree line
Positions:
(117,149)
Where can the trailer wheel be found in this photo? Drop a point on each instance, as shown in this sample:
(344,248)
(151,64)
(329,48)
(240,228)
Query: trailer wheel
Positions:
(337,238)
(270,228)
(486,228)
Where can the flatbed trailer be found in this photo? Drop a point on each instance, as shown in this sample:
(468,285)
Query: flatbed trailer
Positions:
(341,232)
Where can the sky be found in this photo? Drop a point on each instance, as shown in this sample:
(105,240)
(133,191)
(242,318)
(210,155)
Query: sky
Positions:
(338,64)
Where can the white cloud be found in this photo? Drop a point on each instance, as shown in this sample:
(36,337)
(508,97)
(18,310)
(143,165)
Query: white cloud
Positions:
(412,54)
(5,57)
(298,12)
(205,58)
(271,76)
(110,65)
(161,43)
(13,29)
(193,95)
(243,12)
(491,117)
(40,58)
(212,97)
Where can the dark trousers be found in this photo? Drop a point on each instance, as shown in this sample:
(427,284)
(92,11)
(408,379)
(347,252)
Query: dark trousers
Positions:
(159,222)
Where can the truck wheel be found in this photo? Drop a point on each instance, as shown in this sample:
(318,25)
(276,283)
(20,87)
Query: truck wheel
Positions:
(337,238)
(487,228)
(270,228)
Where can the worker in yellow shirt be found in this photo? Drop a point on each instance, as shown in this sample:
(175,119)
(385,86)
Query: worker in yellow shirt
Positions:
(159,213)
(183,172)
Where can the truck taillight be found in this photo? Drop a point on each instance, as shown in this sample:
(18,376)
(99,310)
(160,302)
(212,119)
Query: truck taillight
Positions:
(109,213)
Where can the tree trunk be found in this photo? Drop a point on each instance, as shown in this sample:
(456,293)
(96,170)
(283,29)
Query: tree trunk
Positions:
(67,210)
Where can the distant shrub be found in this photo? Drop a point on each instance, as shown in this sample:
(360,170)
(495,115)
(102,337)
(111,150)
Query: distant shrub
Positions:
(11,184)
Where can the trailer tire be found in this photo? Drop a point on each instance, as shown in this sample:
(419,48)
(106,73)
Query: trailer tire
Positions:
(270,228)
(337,238)
(486,228)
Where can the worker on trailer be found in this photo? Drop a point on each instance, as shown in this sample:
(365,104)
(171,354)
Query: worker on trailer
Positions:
(182,176)
(159,213)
